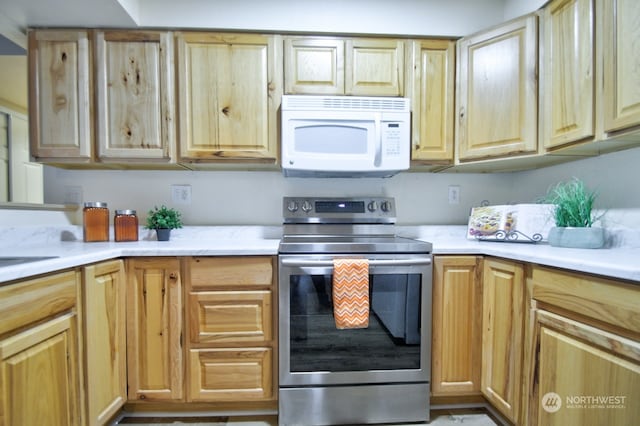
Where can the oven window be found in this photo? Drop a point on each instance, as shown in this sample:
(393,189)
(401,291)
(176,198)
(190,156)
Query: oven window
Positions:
(391,342)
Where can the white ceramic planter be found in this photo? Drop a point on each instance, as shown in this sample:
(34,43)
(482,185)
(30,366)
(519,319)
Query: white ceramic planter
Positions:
(576,237)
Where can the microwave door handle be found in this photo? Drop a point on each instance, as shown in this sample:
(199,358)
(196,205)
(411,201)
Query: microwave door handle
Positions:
(377,160)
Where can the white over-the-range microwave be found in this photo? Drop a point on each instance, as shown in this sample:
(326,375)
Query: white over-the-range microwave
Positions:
(345,136)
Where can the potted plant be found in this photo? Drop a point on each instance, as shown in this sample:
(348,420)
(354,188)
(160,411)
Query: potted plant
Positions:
(163,220)
(574,216)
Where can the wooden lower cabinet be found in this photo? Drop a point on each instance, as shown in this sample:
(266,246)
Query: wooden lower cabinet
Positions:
(39,369)
(584,350)
(586,376)
(457,332)
(154,329)
(104,335)
(502,334)
(231,316)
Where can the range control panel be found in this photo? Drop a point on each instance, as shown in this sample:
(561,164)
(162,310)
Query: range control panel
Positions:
(339,210)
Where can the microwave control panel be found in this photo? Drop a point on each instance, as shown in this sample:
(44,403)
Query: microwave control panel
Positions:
(391,136)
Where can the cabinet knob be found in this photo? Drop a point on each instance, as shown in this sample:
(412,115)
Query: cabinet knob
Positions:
(173,275)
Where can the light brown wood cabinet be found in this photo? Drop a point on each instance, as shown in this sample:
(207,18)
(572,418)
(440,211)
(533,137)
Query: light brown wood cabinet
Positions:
(231,345)
(344,66)
(229,91)
(457,326)
(39,368)
(104,337)
(502,334)
(154,329)
(60,96)
(497,91)
(567,82)
(431,85)
(620,35)
(135,88)
(584,350)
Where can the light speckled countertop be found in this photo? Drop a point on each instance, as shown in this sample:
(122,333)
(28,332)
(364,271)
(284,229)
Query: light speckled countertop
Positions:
(621,260)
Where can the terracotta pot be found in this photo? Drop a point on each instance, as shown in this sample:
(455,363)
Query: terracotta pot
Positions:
(576,237)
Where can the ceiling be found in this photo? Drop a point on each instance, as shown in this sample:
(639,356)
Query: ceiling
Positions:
(419,17)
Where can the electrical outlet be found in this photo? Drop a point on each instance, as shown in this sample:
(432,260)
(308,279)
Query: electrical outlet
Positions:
(181,194)
(454,194)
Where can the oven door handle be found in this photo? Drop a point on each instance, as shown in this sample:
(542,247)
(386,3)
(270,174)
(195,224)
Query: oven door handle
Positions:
(379,262)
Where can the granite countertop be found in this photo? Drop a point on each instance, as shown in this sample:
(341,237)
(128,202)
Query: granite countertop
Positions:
(621,260)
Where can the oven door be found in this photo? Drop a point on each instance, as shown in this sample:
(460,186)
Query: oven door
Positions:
(395,348)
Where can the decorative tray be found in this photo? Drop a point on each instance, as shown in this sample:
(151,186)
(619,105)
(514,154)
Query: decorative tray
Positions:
(517,223)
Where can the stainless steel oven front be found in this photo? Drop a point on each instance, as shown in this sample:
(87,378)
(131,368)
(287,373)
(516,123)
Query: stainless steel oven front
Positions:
(378,374)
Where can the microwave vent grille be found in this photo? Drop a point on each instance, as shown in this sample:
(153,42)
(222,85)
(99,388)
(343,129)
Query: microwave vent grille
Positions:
(345,103)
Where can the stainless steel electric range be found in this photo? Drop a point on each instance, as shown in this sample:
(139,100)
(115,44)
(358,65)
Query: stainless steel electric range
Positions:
(378,374)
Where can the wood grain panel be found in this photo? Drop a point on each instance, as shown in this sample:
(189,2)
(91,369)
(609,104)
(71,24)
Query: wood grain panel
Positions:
(231,272)
(374,67)
(457,322)
(230,374)
(610,301)
(32,300)
(230,316)
(314,65)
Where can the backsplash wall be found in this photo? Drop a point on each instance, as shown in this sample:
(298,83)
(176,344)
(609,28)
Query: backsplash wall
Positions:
(255,198)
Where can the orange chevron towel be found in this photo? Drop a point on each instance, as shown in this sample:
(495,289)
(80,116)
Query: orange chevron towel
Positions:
(351,293)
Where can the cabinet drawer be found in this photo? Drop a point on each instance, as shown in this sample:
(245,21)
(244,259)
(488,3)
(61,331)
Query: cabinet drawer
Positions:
(29,301)
(216,272)
(230,316)
(230,374)
(610,301)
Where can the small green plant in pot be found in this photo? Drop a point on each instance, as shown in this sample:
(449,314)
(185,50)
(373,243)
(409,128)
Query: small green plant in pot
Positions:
(574,216)
(163,219)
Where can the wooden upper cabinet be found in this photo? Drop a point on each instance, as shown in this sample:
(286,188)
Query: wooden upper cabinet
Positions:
(374,67)
(431,85)
(337,66)
(135,96)
(567,72)
(229,94)
(621,41)
(60,96)
(314,65)
(497,91)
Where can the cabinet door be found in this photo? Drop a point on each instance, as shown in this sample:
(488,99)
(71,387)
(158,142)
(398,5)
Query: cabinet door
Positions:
(154,329)
(60,108)
(502,335)
(314,66)
(621,34)
(135,98)
(232,374)
(38,375)
(431,89)
(105,340)
(567,81)
(229,94)
(374,67)
(584,376)
(497,91)
(457,333)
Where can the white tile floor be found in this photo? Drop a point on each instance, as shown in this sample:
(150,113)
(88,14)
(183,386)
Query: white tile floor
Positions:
(438,418)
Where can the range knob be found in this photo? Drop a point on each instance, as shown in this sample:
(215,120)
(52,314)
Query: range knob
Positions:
(372,206)
(307,206)
(292,206)
(385,206)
